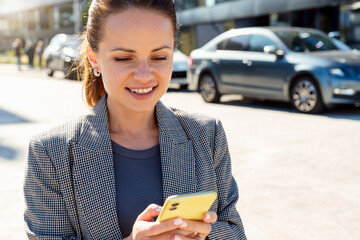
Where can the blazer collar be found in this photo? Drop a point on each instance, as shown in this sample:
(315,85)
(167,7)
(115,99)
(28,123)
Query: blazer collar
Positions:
(96,127)
(169,124)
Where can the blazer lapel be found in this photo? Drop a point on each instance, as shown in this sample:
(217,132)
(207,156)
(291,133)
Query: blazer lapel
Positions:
(177,155)
(93,169)
(93,174)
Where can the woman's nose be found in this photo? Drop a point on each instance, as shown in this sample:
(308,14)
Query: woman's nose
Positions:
(143,71)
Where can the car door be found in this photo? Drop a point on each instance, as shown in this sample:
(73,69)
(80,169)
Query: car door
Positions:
(229,61)
(265,72)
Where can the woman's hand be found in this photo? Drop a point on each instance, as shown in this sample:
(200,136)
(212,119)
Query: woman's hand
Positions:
(198,229)
(172,229)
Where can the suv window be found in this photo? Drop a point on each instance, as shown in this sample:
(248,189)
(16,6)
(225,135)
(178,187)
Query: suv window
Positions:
(258,42)
(237,43)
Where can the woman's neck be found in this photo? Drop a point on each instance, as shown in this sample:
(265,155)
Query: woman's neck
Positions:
(134,130)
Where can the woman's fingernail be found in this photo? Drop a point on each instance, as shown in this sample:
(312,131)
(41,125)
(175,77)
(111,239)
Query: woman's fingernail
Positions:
(159,208)
(178,221)
(208,216)
(177,238)
(184,225)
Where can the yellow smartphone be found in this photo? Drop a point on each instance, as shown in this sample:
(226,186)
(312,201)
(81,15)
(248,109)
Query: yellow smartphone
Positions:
(188,206)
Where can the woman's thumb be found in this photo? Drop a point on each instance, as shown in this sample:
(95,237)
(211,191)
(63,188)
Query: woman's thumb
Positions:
(149,213)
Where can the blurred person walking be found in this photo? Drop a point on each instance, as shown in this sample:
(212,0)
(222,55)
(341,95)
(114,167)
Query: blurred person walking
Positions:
(17,47)
(30,52)
(39,50)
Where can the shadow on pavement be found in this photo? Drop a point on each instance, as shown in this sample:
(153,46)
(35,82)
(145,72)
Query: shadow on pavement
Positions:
(7,153)
(349,112)
(6,117)
(10,118)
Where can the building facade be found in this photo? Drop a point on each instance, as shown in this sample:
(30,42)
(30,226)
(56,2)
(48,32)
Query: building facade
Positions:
(38,20)
(202,20)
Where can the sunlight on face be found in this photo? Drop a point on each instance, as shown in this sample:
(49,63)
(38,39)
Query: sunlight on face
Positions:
(135,58)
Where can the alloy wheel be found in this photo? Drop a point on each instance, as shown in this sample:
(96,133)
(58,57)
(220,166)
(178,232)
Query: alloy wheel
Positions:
(305,96)
(208,90)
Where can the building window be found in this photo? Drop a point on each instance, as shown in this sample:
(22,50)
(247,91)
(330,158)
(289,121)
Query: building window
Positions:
(187,40)
(188,4)
(66,16)
(44,18)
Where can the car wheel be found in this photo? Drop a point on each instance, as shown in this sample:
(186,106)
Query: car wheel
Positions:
(50,72)
(208,89)
(305,96)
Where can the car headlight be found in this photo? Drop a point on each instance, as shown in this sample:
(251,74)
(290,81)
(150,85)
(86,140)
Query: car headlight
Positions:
(338,72)
(342,72)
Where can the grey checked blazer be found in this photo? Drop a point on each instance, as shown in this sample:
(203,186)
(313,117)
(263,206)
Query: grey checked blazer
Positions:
(70,186)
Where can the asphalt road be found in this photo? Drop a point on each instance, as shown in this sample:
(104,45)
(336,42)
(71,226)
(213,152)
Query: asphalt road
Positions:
(298,175)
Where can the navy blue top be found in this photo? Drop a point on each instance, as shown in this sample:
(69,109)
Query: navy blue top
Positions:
(138,183)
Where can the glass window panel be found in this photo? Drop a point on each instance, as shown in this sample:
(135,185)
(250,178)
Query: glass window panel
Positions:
(258,42)
(237,43)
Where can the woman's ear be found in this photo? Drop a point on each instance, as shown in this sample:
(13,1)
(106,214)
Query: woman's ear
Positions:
(91,55)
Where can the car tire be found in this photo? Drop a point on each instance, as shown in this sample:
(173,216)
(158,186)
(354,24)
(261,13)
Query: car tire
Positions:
(305,96)
(50,72)
(184,87)
(208,89)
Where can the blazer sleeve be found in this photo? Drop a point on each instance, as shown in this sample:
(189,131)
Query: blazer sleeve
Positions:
(45,211)
(229,224)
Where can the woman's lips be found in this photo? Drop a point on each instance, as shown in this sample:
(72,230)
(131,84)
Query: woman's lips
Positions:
(141,93)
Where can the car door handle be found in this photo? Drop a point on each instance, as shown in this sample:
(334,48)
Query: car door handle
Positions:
(247,62)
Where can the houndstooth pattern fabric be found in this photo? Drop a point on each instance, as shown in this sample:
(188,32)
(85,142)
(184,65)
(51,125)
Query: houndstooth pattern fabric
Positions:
(70,184)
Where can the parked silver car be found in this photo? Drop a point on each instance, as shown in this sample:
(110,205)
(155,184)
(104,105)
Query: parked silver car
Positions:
(300,65)
(63,54)
(180,68)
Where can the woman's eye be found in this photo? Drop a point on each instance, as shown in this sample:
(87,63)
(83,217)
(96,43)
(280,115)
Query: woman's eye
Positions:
(122,59)
(159,58)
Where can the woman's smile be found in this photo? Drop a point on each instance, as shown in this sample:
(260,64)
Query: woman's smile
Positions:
(142,93)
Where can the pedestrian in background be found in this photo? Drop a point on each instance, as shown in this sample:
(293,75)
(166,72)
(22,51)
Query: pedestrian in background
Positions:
(17,48)
(30,52)
(39,50)
(106,174)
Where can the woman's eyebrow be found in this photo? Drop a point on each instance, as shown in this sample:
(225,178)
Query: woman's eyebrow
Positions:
(123,49)
(133,51)
(160,48)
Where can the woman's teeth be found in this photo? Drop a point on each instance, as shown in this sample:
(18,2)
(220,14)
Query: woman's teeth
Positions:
(142,91)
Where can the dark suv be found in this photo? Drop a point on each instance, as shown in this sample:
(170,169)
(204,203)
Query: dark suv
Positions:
(300,65)
(63,54)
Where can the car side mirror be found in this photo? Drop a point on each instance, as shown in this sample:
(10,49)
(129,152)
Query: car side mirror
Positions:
(271,49)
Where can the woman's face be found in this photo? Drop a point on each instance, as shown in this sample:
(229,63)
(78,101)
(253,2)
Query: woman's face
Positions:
(135,58)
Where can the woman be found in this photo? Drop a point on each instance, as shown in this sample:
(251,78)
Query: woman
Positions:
(96,177)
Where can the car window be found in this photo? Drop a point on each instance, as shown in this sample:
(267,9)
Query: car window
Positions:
(221,45)
(303,41)
(258,42)
(237,43)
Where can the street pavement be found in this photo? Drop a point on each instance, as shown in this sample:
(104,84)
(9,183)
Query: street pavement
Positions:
(298,175)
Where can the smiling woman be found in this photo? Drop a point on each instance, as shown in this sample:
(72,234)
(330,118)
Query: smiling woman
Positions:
(105,175)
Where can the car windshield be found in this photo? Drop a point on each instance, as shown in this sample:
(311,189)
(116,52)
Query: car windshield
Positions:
(306,41)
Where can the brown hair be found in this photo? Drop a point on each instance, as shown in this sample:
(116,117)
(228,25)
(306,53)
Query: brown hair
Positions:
(98,12)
